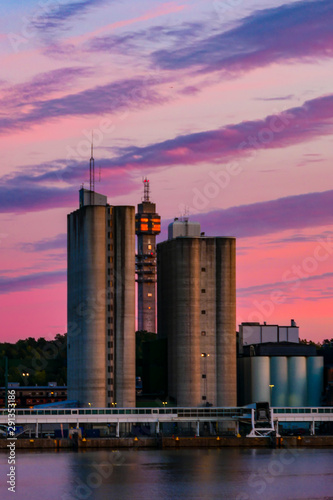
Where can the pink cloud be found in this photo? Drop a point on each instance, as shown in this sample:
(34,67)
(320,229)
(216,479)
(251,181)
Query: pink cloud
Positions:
(162,10)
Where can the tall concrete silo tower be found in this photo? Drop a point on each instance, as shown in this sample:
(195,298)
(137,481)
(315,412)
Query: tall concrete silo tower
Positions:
(147,227)
(197,315)
(101,303)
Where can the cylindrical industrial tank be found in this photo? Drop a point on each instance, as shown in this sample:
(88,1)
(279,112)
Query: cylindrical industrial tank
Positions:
(315,374)
(260,368)
(297,381)
(279,378)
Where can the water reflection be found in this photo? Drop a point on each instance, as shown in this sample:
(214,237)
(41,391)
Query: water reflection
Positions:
(233,473)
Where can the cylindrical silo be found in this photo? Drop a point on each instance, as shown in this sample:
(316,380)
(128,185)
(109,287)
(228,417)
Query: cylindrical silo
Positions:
(209,387)
(187,309)
(226,377)
(179,316)
(279,378)
(124,304)
(297,381)
(260,368)
(86,279)
(315,382)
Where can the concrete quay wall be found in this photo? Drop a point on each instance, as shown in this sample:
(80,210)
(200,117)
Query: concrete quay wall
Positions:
(171,442)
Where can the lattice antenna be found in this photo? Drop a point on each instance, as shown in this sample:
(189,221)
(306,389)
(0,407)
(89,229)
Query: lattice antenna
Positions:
(92,165)
(146,189)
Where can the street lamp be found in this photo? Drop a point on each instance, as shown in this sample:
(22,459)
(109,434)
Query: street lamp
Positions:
(164,403)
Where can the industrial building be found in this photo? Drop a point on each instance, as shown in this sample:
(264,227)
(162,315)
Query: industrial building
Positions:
(274,366)
(254,333)
(29,396)
(101,303)
(147,227)
(196,292)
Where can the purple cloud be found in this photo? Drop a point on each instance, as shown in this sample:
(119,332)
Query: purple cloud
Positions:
(46,244)
(35,280)
(258,219)
(30,198)
(26,191)
(295,125)
(281,98)
(135,41)
(292,31)
(21,193)
(288,287)
(57,14)
(110,98)
(41,85)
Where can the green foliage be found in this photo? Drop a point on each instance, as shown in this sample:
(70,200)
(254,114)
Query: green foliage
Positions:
(41,361)
(310,342)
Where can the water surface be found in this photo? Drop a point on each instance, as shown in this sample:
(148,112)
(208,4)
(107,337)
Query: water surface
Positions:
(230,473)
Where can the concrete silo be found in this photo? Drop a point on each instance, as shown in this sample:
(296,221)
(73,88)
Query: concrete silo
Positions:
(225,286)
(101,303)
(196,313)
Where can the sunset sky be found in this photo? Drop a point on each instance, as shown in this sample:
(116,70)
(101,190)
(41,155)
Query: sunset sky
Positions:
(225,105)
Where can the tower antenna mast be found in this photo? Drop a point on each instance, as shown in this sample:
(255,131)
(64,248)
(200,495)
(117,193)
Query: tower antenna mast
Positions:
(92,165)
(146,189)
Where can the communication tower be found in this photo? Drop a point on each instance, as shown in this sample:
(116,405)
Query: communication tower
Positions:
(147,226)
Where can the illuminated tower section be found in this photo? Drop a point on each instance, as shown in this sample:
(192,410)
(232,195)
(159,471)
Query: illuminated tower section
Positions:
(147,226)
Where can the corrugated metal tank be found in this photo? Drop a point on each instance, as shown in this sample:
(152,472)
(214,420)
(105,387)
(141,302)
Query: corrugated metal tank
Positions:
(315,374)
(279,378)
(260,368)
(297,381)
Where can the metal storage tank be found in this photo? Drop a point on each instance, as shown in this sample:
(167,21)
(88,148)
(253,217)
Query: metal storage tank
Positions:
(279,378)
(297,381)
(315,382)
(260,368)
